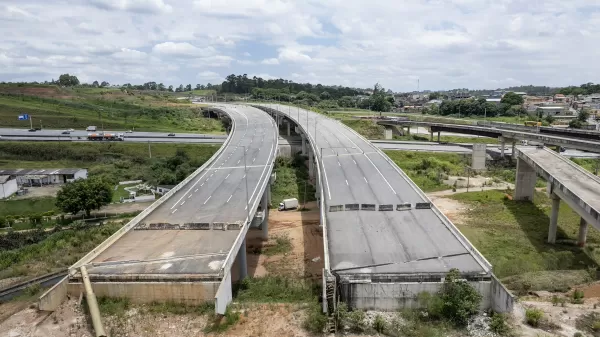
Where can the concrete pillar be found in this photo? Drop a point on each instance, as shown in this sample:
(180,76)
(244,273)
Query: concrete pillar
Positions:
(408,130)
(479,155)
(583,227)
(303,144)
(514,145)
(431,136)
(265,208)
(387,133)
(553,218)
(502,145)
(439,136)
(525,182)
(311,165)
(242,260)
(289,128)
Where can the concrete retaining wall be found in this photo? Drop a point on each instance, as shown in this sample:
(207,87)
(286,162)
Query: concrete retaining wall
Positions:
(53,297)
(502,299)
(395,296)
(192,293)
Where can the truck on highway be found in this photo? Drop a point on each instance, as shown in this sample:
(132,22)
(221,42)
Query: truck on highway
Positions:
(106,136)
(91,128)
(288,204)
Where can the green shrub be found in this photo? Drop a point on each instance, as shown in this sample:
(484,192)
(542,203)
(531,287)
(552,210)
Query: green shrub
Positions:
(315,320)
(577,297)
(498,324)
(533,317)
(578,334)
(596,326)
(460,301)
(379,324)
(356,321)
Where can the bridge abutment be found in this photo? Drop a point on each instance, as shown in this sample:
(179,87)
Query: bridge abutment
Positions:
(478,157)
(525,182)
(265,208)
(502,145)
(242,260)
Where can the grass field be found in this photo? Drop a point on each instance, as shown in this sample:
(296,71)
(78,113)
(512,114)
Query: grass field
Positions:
(292,179)
(59,250)
(60,108)
(26,206)
(512,236)
(116,162)
(448,139)
(366,128)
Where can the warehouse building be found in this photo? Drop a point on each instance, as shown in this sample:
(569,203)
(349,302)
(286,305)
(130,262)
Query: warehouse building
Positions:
(8,186)
(40,177)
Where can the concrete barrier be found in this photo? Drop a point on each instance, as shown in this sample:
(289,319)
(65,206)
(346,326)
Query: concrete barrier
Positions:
(53,297)
(501,299)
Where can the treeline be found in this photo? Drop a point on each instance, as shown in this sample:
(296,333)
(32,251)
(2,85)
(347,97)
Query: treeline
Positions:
(379,100)
(584,89)
(242,84)
(475,107)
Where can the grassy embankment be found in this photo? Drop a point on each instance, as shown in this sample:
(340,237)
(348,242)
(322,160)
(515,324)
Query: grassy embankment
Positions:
(512,236)
(291,182)
(60,108)
(115,162)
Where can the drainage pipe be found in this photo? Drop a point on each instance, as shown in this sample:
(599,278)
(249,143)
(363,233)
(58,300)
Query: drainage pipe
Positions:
(92,303)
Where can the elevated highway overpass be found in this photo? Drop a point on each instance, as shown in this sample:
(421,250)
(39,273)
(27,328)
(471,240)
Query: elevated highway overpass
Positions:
(504,134)
(384,240)
(183,247)
(569,182)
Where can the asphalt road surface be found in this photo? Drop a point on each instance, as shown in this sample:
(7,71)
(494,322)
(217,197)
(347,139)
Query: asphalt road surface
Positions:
(370,242)
(82,134)
(216,195)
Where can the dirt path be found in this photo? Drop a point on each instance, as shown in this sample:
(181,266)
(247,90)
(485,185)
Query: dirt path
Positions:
(471,189)
(127,207)
(306,256)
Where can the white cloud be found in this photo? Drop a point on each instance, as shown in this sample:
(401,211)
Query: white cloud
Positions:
(208,76)
(136,6)
(181,49)
(271,61)
(291,55)
(446,44)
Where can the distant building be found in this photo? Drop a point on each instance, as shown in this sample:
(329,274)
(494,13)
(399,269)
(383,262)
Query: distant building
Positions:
(520,93)
(162,189)
(40,177)
(534,100)
(560,98)
(8,186)
(493,100)
(433,102)
(554,111)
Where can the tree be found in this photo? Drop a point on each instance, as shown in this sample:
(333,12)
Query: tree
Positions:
(84,195)
(67,80)
(170,88)
(512,99)
(179,88)
(95,84)
(104,84)
(188,87)
(325,95)
(550,119)
(583,116)
(460,301)
(198,86)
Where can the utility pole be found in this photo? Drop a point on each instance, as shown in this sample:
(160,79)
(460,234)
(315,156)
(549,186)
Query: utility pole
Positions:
(246,179)
(149,151)
(31,122)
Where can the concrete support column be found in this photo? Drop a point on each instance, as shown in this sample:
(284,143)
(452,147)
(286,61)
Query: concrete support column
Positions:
(583,227)
(387,133)
(311,165)
(289,128)
(242,260)
(553,218)
(525,182)
(479,156)
(514,145)
(265,208)
(408,130)
(502,145)
(431,136)
(303,145)
(439,136)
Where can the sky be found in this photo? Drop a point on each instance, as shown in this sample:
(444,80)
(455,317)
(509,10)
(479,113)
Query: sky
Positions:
(436,44)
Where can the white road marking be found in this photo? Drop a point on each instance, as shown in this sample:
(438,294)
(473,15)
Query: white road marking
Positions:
(196,190)
(346,182)
(253,160)
(207,200)
(244,176)
(189,196)
(229,198)
(381,174)
(339,164)
(174,211)
(227,176)
(183,203)
(238,161)
(365,180)
(354,162)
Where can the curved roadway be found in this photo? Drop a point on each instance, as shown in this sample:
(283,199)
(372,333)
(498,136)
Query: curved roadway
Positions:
(378,242)
(217,195)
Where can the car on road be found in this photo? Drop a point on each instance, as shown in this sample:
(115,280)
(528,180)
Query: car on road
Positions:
(71,130)
(128,131)
(171,135)
(32,130)
(67,132)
